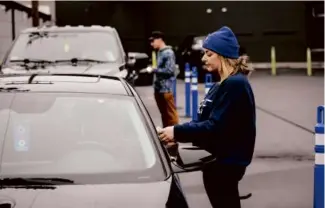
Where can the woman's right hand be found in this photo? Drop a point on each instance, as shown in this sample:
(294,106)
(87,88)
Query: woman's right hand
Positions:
(167,143)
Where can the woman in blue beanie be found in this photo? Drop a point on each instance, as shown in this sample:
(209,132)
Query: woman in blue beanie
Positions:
(226,120)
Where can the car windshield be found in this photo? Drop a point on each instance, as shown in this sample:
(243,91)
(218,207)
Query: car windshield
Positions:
(86,139)
(52,46)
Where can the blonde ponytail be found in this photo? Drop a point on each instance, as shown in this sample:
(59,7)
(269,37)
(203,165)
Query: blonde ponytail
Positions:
(244,65)
(233,66)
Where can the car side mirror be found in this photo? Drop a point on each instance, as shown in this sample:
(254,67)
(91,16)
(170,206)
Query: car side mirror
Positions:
(137,61)
(196,47)
(190,158)
(134,57)
(130,60)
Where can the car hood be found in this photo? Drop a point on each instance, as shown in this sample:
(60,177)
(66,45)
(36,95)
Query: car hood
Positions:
(144,195)
(111,69)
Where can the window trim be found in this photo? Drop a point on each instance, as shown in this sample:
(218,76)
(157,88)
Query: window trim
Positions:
(163,155)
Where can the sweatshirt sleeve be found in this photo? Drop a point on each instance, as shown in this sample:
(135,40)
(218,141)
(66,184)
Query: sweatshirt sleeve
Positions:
(189,132)
(166,68)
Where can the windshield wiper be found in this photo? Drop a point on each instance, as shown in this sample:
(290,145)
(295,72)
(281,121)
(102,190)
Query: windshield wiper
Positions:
(10,89)
(27,61)
(36,63)
(34,181)
(77,60)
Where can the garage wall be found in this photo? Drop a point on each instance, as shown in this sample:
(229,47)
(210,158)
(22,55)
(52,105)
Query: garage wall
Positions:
(258,25)
(127,17)
(5,32)
(21,22)
(46,7)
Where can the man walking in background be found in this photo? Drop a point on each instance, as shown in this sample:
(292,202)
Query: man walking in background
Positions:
(164,76)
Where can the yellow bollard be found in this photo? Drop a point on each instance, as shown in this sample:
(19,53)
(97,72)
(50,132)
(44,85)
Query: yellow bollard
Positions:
(154,59)
(273,61)
(309,67)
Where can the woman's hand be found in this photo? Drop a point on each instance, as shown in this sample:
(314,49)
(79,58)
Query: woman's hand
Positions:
(166,135)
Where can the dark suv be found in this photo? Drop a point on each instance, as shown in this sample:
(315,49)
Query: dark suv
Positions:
(94,50)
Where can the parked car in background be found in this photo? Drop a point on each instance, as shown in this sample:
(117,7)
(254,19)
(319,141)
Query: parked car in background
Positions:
(81,49)
(137,62)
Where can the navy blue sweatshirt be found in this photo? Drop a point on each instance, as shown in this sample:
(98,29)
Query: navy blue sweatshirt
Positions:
(226,122)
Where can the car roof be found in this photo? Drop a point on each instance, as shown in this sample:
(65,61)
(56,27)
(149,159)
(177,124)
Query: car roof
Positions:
(93,28)
(75,83)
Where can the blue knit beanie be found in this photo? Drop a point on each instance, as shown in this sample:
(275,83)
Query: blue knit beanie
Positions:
(223,42)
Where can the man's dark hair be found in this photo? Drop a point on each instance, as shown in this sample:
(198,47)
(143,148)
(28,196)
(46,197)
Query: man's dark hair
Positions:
(157,35)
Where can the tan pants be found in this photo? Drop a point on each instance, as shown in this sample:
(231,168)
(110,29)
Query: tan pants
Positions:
(169,115)
(167,108)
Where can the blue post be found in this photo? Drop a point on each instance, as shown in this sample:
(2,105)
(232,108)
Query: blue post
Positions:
(187,90)
(174,91)
(208,82)
(194,89)
(319,160)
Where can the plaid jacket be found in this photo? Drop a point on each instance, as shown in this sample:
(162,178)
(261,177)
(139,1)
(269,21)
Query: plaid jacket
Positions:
(164,75)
